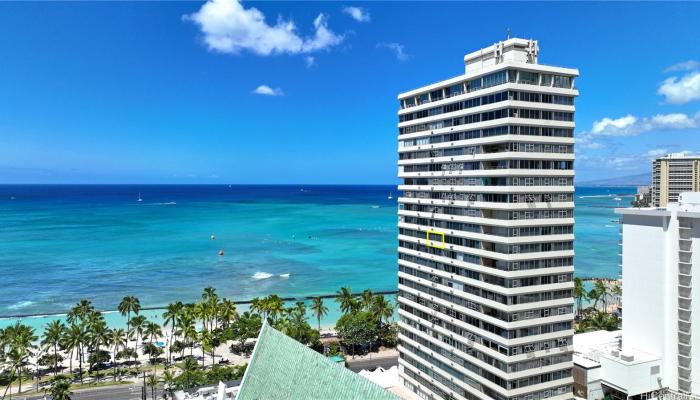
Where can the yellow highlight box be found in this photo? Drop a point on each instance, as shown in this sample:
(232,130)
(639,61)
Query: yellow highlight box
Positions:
(429,241)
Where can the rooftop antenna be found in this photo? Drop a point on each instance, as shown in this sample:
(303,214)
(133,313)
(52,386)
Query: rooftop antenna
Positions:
(508,34)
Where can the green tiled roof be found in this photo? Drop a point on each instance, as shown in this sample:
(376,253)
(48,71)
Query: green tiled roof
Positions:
(282,368)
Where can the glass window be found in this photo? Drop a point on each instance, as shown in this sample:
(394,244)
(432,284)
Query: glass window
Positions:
(546,80)
(562,81)
(530,78)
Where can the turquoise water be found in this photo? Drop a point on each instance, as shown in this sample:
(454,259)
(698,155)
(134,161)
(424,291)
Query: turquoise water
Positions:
(60,244)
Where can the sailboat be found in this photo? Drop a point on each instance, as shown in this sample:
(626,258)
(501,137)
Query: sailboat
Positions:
(390,196)
(139,199)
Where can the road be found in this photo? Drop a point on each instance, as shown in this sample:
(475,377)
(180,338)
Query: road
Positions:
(359,364)
(120,392)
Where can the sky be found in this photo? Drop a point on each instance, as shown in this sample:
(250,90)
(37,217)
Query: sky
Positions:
(305,92)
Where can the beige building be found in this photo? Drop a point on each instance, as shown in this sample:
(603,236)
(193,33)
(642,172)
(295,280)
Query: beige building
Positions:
(674,174)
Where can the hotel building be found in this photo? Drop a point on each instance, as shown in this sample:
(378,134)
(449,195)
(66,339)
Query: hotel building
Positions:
(658,246)
(486,229)
(672,175)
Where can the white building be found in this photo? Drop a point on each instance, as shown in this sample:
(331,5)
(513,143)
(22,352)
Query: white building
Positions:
(486,229)
(657,271)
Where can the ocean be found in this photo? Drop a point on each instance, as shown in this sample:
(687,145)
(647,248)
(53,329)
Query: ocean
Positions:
(62,243)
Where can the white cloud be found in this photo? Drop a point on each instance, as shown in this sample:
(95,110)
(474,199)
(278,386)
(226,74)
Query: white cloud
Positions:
(230,28)
(683,66)
(310,61)
(397,48)
(607,124)
(268,91)
(630,125)
(681,90)
(357,13)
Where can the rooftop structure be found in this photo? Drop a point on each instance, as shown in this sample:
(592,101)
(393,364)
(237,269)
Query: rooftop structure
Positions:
(486,229)
(602,369)
(282,368)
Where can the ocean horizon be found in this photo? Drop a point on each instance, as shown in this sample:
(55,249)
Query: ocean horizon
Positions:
(63,243)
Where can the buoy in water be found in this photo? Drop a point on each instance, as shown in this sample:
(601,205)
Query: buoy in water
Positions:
(221,252)
(213,237)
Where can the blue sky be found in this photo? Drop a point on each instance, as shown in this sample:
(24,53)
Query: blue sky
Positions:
(269,92)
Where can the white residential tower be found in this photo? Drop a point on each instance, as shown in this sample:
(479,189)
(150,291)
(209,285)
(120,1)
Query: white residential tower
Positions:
(486,229)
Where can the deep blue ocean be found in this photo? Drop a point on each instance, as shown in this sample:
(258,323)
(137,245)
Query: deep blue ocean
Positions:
(62,243)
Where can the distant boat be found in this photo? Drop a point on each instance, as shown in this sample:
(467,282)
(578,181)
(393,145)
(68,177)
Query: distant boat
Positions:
(139,199)
(12,197)
(617,199)
(390,196)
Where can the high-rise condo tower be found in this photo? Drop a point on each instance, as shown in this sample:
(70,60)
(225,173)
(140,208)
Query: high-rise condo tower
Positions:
(486,255)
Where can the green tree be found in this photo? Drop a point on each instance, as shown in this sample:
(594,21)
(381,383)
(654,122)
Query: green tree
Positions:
(138,324)
(579,294)
(53,333)
(318,309)
(128,305)
(345,299)
(357,328)
(227,312)
(381,309)
(118,340)
(367,299)
(60,388)
(172,315)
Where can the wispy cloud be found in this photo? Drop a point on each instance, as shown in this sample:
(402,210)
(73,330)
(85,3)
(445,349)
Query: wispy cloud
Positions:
(357,13)
(268,91)
(310,61)
(397,48)
(681,90)
(228,27)
(629,125)
(683,66)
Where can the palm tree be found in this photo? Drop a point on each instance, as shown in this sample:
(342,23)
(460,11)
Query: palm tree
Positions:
(75,339)
(80,311)
(318,309)
(617,292)
(274,306)
(168,380)
(152,381)
(381,308)
(594,295)
(60,388)
(53,332)
(20,340)
(152,331)
(579,294)
(118,340)
(602,288)
(345,299)
(205,337)
(227,312)
(171,316)
(128,305)
(98,336)
(138,323)
(367,298)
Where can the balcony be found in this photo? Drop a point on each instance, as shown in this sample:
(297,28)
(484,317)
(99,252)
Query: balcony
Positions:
(684,327)
(685,257)
(684,352)
(684,315)
(684,373)
(684,280)
(684,338)
(684,292)
(684,304)
(684,269)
